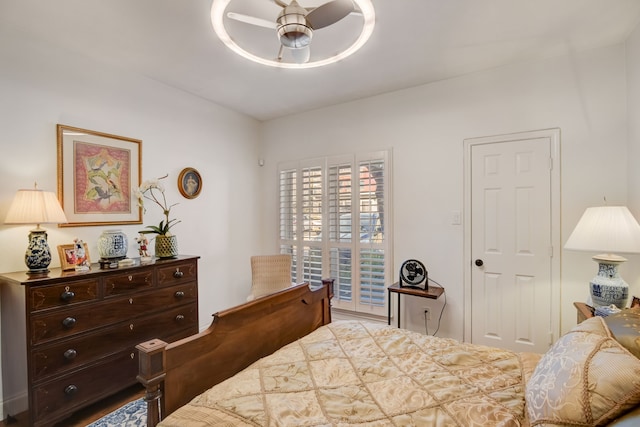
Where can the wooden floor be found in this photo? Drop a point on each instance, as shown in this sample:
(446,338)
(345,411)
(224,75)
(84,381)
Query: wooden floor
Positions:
(91,413)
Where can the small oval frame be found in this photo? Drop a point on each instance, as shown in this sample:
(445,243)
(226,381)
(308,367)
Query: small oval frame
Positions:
(190,183)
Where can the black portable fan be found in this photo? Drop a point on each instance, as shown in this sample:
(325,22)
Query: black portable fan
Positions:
(413,274)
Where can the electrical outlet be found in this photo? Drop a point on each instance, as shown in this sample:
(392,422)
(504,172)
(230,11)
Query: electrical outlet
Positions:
(427,313)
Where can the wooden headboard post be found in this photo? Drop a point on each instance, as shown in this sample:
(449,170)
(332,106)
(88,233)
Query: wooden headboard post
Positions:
(151,375)
(175,373)
(328,283)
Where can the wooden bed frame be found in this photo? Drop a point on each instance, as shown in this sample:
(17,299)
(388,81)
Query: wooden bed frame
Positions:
(175,373)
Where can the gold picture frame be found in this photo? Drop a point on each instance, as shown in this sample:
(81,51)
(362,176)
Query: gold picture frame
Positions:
(189,183)
(97,173)
(67,256)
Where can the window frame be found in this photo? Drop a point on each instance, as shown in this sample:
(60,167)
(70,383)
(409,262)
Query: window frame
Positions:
(298,243)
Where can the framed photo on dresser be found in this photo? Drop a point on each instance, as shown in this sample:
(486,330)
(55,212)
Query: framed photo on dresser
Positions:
(68,256)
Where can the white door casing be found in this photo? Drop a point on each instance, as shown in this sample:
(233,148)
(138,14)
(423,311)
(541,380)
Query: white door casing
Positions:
(512,226)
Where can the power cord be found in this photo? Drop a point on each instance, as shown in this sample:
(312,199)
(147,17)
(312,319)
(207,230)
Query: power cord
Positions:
(444,292)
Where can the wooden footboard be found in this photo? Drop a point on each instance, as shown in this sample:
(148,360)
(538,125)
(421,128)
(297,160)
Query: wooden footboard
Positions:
(175,373)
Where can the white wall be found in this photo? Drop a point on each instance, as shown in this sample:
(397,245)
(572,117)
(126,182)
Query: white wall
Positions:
(177,130)
(583,94)
(41,86)
(633,104)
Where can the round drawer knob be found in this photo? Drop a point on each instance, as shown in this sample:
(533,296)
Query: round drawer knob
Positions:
(179,317)
(70,354)
(479,262)
(179,294)
(70,390)
(67,295)
(178,274)
(69,322)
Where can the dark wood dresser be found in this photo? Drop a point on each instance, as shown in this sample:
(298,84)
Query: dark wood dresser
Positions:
(68,338)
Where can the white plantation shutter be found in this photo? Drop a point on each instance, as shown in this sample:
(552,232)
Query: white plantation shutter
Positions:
(288,204)
(341,197)
(371,196)
(288,216)
(341,206)
(312,201)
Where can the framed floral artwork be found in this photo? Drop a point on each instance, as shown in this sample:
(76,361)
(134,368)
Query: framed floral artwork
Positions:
(189,183)
(97,173)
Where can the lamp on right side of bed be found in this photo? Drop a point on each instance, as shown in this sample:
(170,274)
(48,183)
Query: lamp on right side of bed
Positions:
(609,230)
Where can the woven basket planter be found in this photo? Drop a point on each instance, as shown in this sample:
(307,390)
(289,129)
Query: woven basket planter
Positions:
(166,246)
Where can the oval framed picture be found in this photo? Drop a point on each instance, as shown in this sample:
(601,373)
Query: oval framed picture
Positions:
(189,183)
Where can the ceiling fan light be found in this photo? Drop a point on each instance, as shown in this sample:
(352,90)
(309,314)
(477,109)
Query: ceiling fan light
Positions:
(363,8)
(295,36)
(293,30)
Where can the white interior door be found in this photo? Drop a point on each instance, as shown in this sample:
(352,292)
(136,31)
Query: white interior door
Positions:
(511,241)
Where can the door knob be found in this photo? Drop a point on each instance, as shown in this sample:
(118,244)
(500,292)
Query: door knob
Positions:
(479,262)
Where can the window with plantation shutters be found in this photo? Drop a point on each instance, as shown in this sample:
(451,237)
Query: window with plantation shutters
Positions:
(334,222)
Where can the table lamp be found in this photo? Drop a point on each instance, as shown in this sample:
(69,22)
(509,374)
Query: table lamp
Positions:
(609,230)
(36,207)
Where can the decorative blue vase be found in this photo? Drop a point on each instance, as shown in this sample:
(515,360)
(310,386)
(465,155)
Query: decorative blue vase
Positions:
(112,245)
(38,255)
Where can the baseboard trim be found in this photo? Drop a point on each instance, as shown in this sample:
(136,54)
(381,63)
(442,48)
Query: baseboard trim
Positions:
(14,407)
(338,314)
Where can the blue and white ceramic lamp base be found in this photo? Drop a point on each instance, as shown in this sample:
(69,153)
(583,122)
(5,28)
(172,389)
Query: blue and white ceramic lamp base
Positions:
(38,255)
(608,288)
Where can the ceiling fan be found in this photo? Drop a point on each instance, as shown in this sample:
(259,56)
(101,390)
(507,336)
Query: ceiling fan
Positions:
(295,24)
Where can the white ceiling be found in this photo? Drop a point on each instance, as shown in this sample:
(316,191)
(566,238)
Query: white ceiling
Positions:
(414,42)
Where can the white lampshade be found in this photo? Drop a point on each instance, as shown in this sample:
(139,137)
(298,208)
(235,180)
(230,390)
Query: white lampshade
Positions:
(607,229)
(35,207)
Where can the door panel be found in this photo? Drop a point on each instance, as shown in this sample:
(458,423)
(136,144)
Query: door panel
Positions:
(510,232)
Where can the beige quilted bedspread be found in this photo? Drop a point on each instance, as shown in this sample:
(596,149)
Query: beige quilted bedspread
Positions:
(364,374)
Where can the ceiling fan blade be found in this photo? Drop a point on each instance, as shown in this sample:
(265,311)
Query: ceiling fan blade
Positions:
(301,55)
(329,13)
(252,20)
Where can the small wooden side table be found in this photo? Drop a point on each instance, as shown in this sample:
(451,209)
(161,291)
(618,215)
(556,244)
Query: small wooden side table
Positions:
(584,311)
(432,292)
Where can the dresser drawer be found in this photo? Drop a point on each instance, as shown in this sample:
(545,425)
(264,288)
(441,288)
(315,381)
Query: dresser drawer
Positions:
(73,353)
(45,297)
(84,386)
(66,323)
(177,273)
(126,283)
